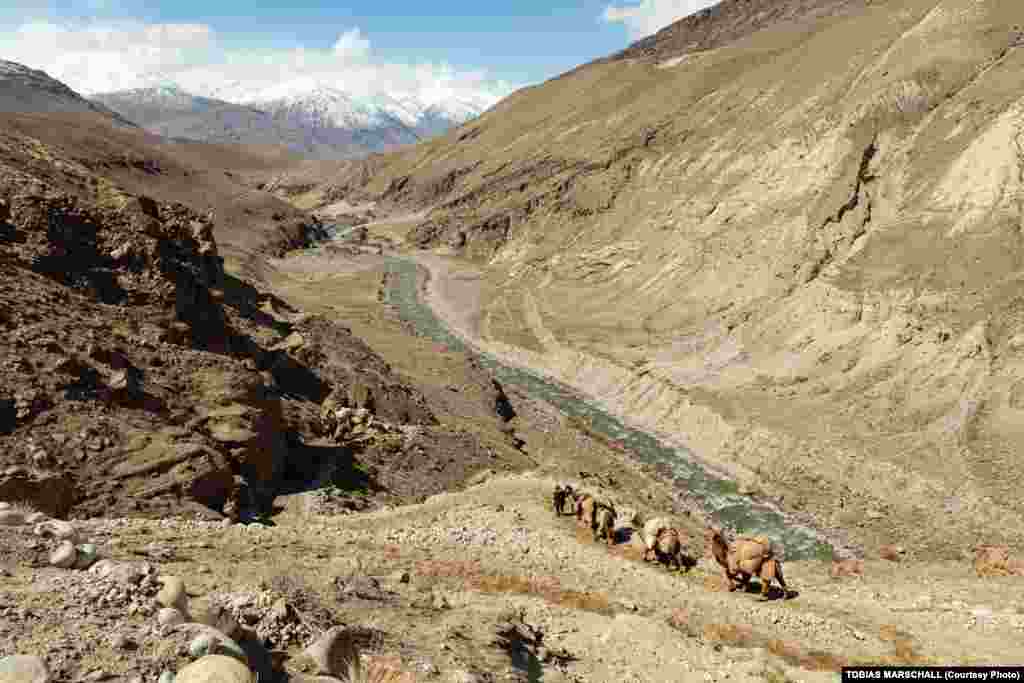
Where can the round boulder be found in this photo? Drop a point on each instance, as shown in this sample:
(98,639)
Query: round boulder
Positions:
(64,555)
(215,669)
(23,669)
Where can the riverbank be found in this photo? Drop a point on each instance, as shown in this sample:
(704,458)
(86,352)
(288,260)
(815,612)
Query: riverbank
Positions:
(452,290)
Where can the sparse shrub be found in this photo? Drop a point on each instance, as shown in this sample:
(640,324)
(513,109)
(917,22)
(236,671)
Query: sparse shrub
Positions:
(892,553)
(843,568)
(547,587)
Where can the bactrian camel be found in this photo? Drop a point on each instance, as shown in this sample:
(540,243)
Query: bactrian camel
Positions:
(665,543)
(745,557)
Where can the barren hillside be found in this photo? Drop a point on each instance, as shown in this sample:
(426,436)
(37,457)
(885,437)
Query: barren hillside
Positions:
(786,235)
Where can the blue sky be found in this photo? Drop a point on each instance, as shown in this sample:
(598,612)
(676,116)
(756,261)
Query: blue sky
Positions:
(97,45)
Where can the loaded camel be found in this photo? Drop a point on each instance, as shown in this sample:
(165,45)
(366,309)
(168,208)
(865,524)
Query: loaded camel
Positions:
(600,517)
(603,524)
(664,543)
(745,557)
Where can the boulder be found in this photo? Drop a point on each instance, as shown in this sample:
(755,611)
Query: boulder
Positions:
(215,669)
(172,594)
(23,669)
(64,555)
(333,652)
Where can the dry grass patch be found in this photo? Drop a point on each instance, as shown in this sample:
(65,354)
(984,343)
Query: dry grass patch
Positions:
(996,560)
(734,635)
(547,587)
(381,670)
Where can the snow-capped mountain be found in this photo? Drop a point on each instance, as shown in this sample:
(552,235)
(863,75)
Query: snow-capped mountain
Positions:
(310,117)
(31,91)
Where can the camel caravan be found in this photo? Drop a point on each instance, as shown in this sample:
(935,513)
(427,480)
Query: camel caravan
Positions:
(741,559)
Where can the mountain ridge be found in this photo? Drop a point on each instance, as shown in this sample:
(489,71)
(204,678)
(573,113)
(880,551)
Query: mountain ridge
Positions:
(315,119)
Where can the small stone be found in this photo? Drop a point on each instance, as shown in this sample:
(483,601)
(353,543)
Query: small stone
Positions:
(64,556)
(122,642)
(125,574)
(215,669)
(173,593)
(166,677)
(169,616)
(23,669)
(102,568)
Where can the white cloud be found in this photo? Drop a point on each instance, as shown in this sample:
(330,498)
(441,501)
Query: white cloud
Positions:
(103,57)
(352,44)
(652,15)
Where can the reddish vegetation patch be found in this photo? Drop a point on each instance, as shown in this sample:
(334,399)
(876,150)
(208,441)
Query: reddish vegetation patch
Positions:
(995,560)
(547,587)
(892,553)
(847,568)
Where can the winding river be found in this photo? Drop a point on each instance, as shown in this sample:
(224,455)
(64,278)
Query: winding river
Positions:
(717,496)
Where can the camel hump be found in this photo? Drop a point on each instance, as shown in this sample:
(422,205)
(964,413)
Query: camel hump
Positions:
(763,541)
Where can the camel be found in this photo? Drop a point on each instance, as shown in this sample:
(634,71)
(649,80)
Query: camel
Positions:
(663,542)
(745,557)
(559,497)
(604,523)
(585,507)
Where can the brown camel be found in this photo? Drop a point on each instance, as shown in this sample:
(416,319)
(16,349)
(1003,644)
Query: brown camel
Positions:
(585,507)
(745,557)
(665,543)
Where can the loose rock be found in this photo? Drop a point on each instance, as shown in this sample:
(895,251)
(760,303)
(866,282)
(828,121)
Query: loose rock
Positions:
(170,617)
(55,528)
(64,556)
(173,593)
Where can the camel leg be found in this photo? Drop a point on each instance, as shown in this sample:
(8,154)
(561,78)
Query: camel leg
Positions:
(776,571)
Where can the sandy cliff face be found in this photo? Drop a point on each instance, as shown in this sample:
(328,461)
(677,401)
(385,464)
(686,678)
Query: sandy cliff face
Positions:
(797,252)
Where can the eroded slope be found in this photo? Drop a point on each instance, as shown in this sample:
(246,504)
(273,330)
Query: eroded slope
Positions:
(797,253)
